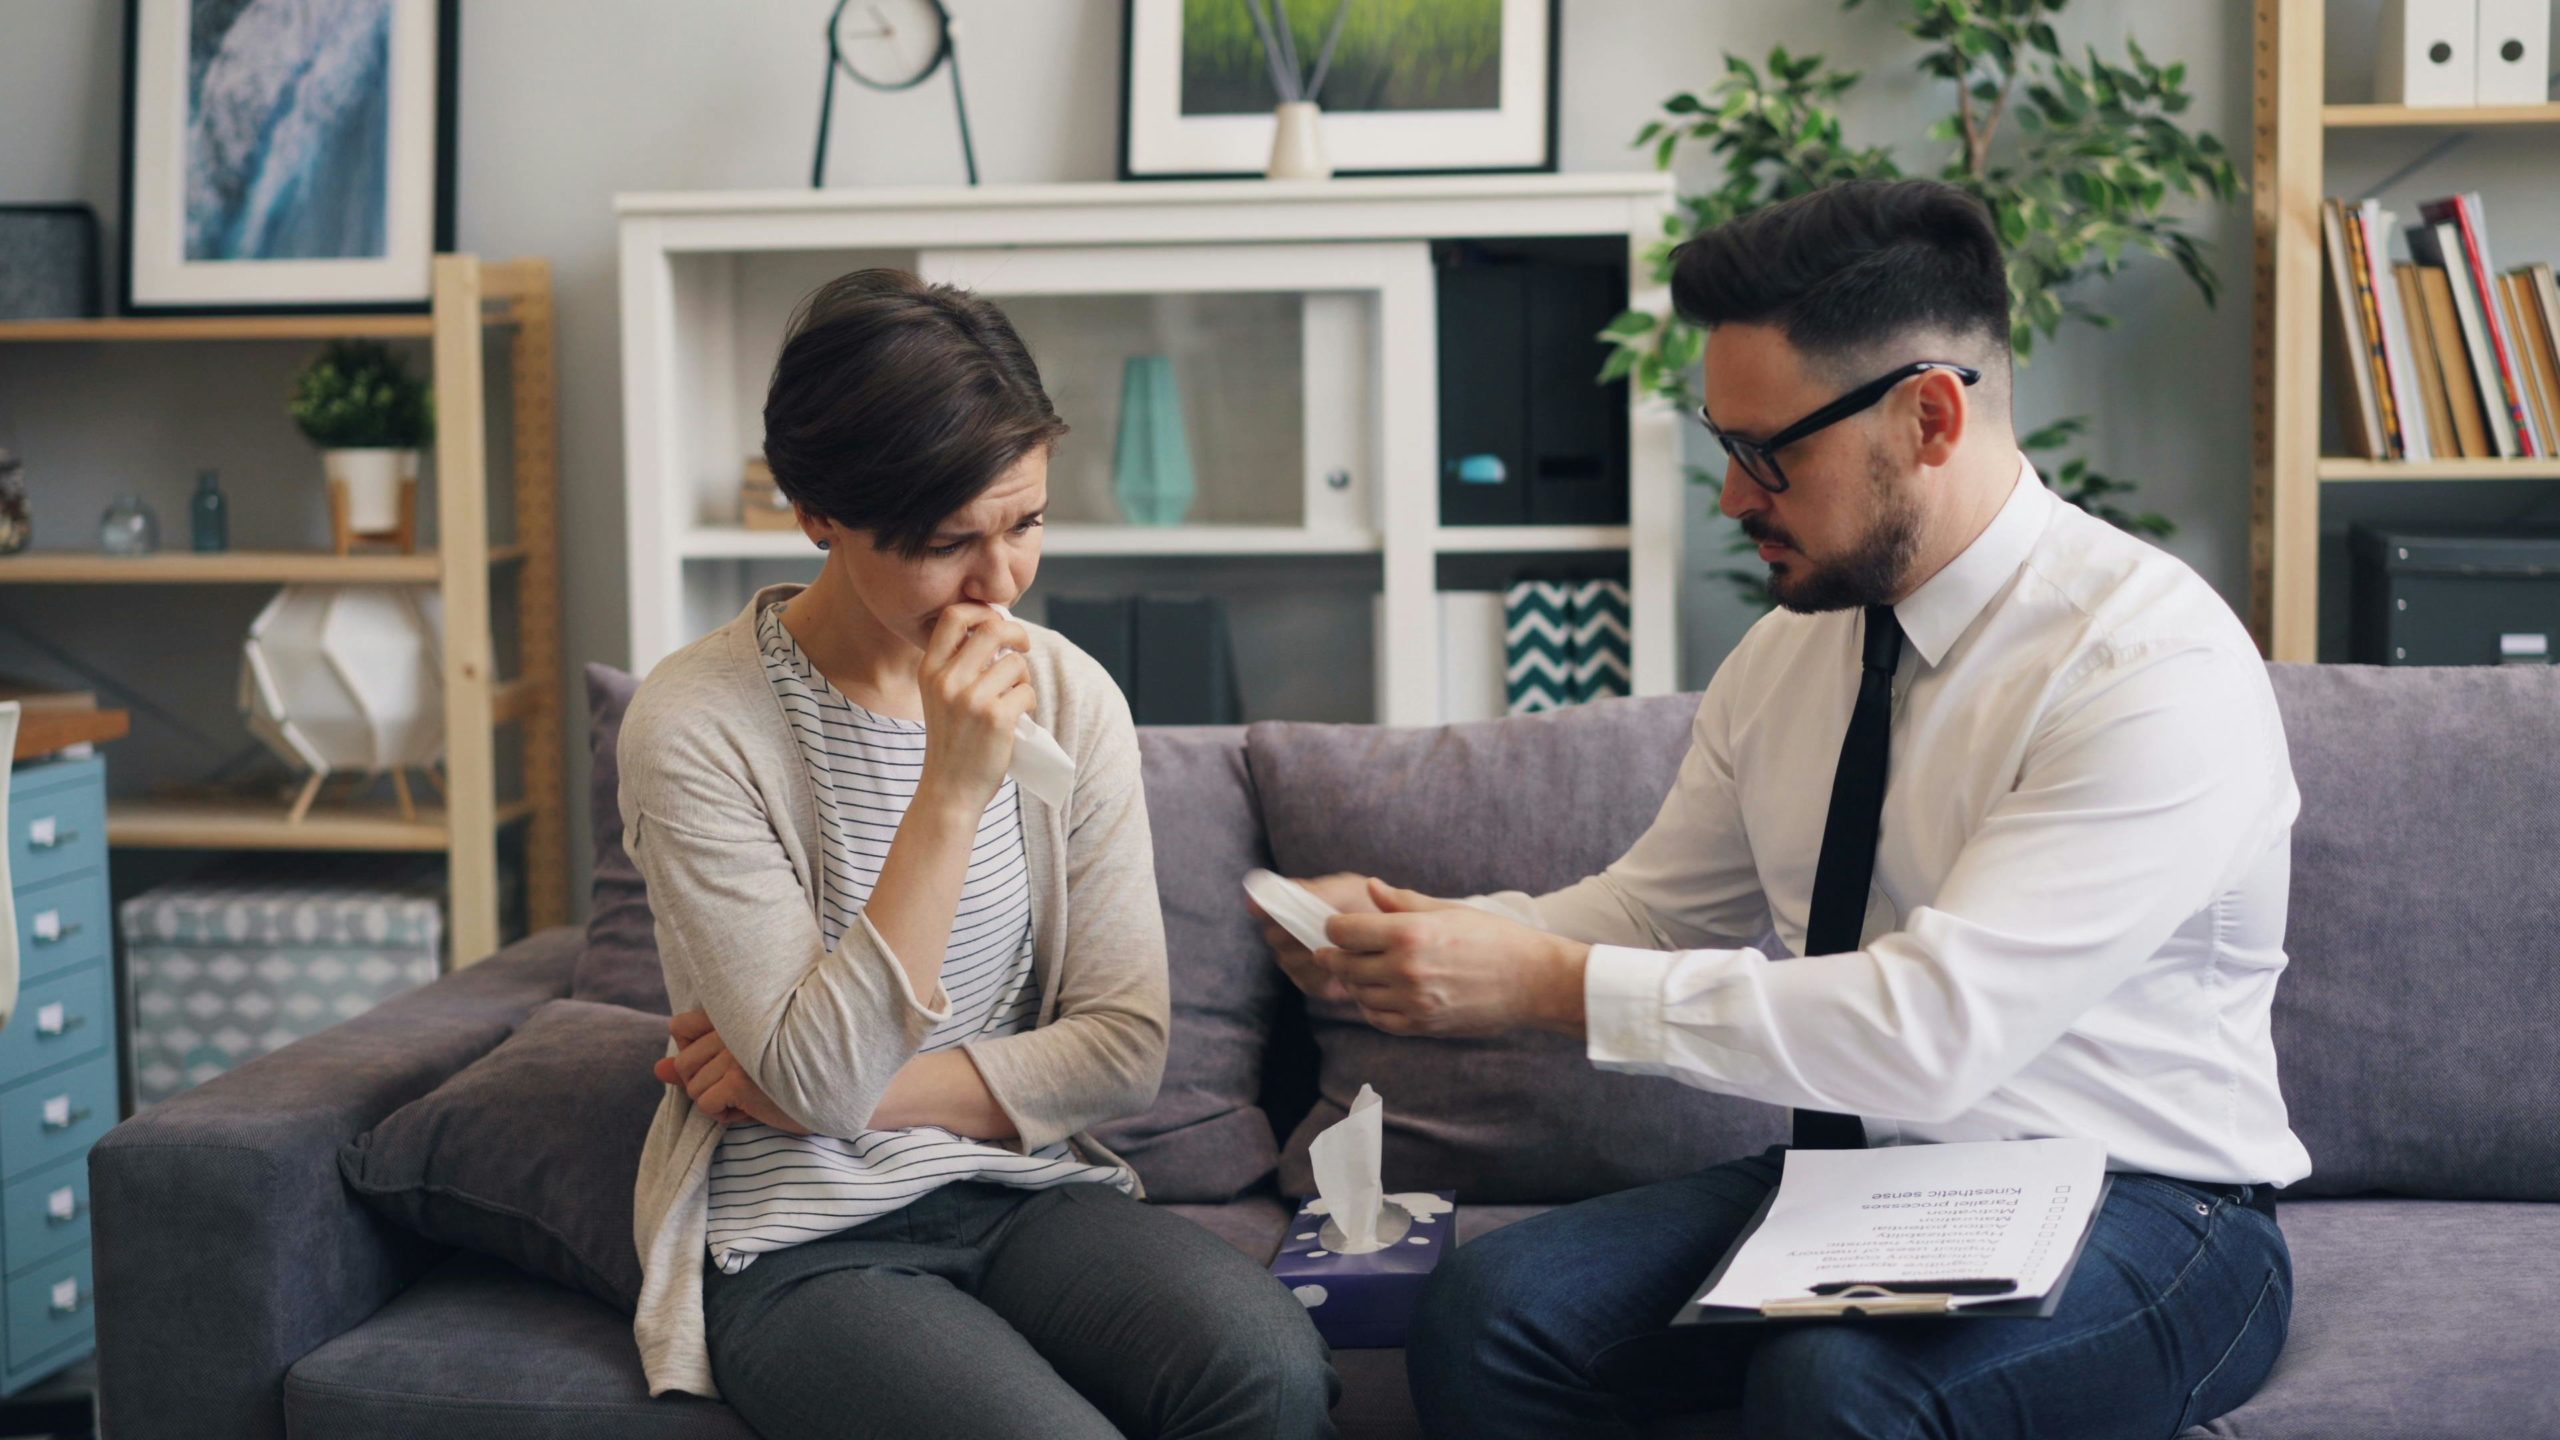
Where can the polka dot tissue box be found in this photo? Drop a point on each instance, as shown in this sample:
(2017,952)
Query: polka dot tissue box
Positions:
(1356,1256)
(1363,1301)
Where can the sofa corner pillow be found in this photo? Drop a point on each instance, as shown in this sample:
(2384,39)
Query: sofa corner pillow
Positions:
(620,963)
(530,1152)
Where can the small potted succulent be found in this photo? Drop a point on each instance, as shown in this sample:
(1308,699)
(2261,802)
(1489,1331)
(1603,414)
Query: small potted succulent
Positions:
(369,416)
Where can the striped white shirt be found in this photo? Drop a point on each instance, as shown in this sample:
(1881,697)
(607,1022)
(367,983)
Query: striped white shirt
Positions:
(771,1189)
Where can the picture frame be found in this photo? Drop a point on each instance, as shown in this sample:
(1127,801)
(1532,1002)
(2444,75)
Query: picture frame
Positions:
(282,169)
(1196,97)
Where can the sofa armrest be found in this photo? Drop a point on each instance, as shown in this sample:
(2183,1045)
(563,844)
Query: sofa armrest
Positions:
(227,1247)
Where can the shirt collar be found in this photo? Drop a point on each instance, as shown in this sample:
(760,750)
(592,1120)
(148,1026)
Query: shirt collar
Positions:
(1934,616)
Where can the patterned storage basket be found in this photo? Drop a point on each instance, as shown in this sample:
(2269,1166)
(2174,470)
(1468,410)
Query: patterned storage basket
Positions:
(230,966)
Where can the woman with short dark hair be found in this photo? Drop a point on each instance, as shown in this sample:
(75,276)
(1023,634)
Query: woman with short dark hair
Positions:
(906,989)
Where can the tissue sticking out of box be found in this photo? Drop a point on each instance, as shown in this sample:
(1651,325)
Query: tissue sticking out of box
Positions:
(1346,1158)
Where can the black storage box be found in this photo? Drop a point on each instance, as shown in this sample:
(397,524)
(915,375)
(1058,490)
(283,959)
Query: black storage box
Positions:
(1528,434)
(2452,597)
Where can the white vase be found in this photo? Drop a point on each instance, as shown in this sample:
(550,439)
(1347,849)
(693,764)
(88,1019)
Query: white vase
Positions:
(372,479)
(1297,143)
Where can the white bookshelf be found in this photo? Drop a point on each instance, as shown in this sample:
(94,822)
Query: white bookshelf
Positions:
(1302,321)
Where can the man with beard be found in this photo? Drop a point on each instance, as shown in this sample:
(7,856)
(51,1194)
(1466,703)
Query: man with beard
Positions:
(2013,784)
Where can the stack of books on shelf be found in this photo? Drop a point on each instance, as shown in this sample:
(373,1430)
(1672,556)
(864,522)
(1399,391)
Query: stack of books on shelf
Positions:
(2441,356)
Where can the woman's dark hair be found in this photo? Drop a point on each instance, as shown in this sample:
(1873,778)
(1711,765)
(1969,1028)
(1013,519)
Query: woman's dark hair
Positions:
(895,403)
(1849,268)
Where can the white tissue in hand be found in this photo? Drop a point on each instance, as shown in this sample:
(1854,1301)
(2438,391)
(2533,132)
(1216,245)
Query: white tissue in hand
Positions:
(1347,1162)
(1040,764)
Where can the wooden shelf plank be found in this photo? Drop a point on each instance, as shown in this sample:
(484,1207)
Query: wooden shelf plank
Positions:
(235,567)
(1526,539)
(42,732)
(250,825)
(500,309)
(2435,117)
(221,327)
(710,542)
(2334,467)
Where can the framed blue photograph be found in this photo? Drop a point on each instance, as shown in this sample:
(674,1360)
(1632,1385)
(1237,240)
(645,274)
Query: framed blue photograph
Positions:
(285,155)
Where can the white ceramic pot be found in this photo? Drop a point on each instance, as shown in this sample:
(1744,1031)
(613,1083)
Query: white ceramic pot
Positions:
(372,478)
(1297,143)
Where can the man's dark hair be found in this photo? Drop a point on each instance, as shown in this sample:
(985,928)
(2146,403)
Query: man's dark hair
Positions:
(1844,270)
(895,403)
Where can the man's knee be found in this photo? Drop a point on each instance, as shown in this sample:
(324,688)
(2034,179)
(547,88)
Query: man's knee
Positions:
(1831,1382)
(1472,1288)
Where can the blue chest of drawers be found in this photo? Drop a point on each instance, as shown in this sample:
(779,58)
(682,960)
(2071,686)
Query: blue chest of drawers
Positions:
(58,1065)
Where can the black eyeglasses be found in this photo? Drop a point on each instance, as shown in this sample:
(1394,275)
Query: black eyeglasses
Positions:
(1759,458)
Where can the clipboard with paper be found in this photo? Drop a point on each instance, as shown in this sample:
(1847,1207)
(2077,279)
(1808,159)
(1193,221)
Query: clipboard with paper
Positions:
(1965,1230)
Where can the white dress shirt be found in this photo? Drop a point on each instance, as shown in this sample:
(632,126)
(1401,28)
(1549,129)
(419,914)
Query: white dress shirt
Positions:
(2077,917)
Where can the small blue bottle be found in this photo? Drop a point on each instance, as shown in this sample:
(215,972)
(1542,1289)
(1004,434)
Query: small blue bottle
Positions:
(211,513)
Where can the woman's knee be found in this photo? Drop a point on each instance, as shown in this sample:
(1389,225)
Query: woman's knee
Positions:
(1260,1368)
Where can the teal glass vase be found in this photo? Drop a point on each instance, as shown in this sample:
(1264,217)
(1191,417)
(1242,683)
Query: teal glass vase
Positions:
(1151,461)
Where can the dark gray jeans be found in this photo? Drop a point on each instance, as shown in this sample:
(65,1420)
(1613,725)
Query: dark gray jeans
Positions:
(982,1310)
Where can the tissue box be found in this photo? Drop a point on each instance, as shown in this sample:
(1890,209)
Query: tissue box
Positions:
(1362,1302)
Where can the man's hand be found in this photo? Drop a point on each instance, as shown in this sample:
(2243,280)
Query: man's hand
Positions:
(1346,893)
(1434,967)
(720,1087)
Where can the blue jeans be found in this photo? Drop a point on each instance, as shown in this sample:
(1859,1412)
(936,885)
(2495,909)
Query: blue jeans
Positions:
(1558,1326)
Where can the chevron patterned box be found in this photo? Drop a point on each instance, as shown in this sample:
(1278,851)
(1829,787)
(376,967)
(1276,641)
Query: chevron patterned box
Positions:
(227,967)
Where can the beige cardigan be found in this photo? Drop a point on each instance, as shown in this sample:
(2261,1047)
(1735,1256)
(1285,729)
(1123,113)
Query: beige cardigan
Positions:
(718,813)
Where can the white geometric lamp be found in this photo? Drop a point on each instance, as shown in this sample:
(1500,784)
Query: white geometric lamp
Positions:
(347,678)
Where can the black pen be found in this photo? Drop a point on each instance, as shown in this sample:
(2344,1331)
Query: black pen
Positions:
(1924,1287)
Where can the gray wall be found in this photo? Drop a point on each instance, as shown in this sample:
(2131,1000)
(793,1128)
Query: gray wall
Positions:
(565,104)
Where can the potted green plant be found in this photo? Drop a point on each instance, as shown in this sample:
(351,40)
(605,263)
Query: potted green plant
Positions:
(370,417)
(2079,162)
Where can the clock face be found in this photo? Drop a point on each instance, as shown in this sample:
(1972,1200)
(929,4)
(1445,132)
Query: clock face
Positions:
(891,44)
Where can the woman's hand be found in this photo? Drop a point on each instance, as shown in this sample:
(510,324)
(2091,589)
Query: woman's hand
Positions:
(720,1087)
(975,684)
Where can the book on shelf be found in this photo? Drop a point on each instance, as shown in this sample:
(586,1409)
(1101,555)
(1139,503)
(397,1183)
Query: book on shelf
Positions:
(2443,328)
(36,699)
(2442,355)
(2464,214)
(2386,396)
(2348,345)
(2443,435)
(2533,357)
(2373,228)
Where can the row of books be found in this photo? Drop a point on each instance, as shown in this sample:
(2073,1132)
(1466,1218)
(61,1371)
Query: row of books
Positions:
(2440,356)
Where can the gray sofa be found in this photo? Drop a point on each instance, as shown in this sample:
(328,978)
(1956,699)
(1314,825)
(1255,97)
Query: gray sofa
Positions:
(243,1292)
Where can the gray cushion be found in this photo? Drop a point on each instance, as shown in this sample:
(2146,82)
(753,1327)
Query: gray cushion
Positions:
(1254,1224)
(2414,1317)
(2414,1029)
(620,964)
(477,1350)
(1530,803)
(528,1154)
(1205,1137)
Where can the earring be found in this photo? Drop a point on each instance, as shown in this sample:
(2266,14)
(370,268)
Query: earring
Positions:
(824,544)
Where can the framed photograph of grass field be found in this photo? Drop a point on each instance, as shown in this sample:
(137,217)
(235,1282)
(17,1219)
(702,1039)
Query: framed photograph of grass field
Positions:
(1413,87)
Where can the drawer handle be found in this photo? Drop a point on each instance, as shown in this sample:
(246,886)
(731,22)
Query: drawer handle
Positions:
(61,1207)
(52,1021)
(51,931)
(45,834)
(67,1297)
(58,1114)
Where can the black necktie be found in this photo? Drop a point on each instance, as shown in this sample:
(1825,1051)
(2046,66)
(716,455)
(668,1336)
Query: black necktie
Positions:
(1848,864)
